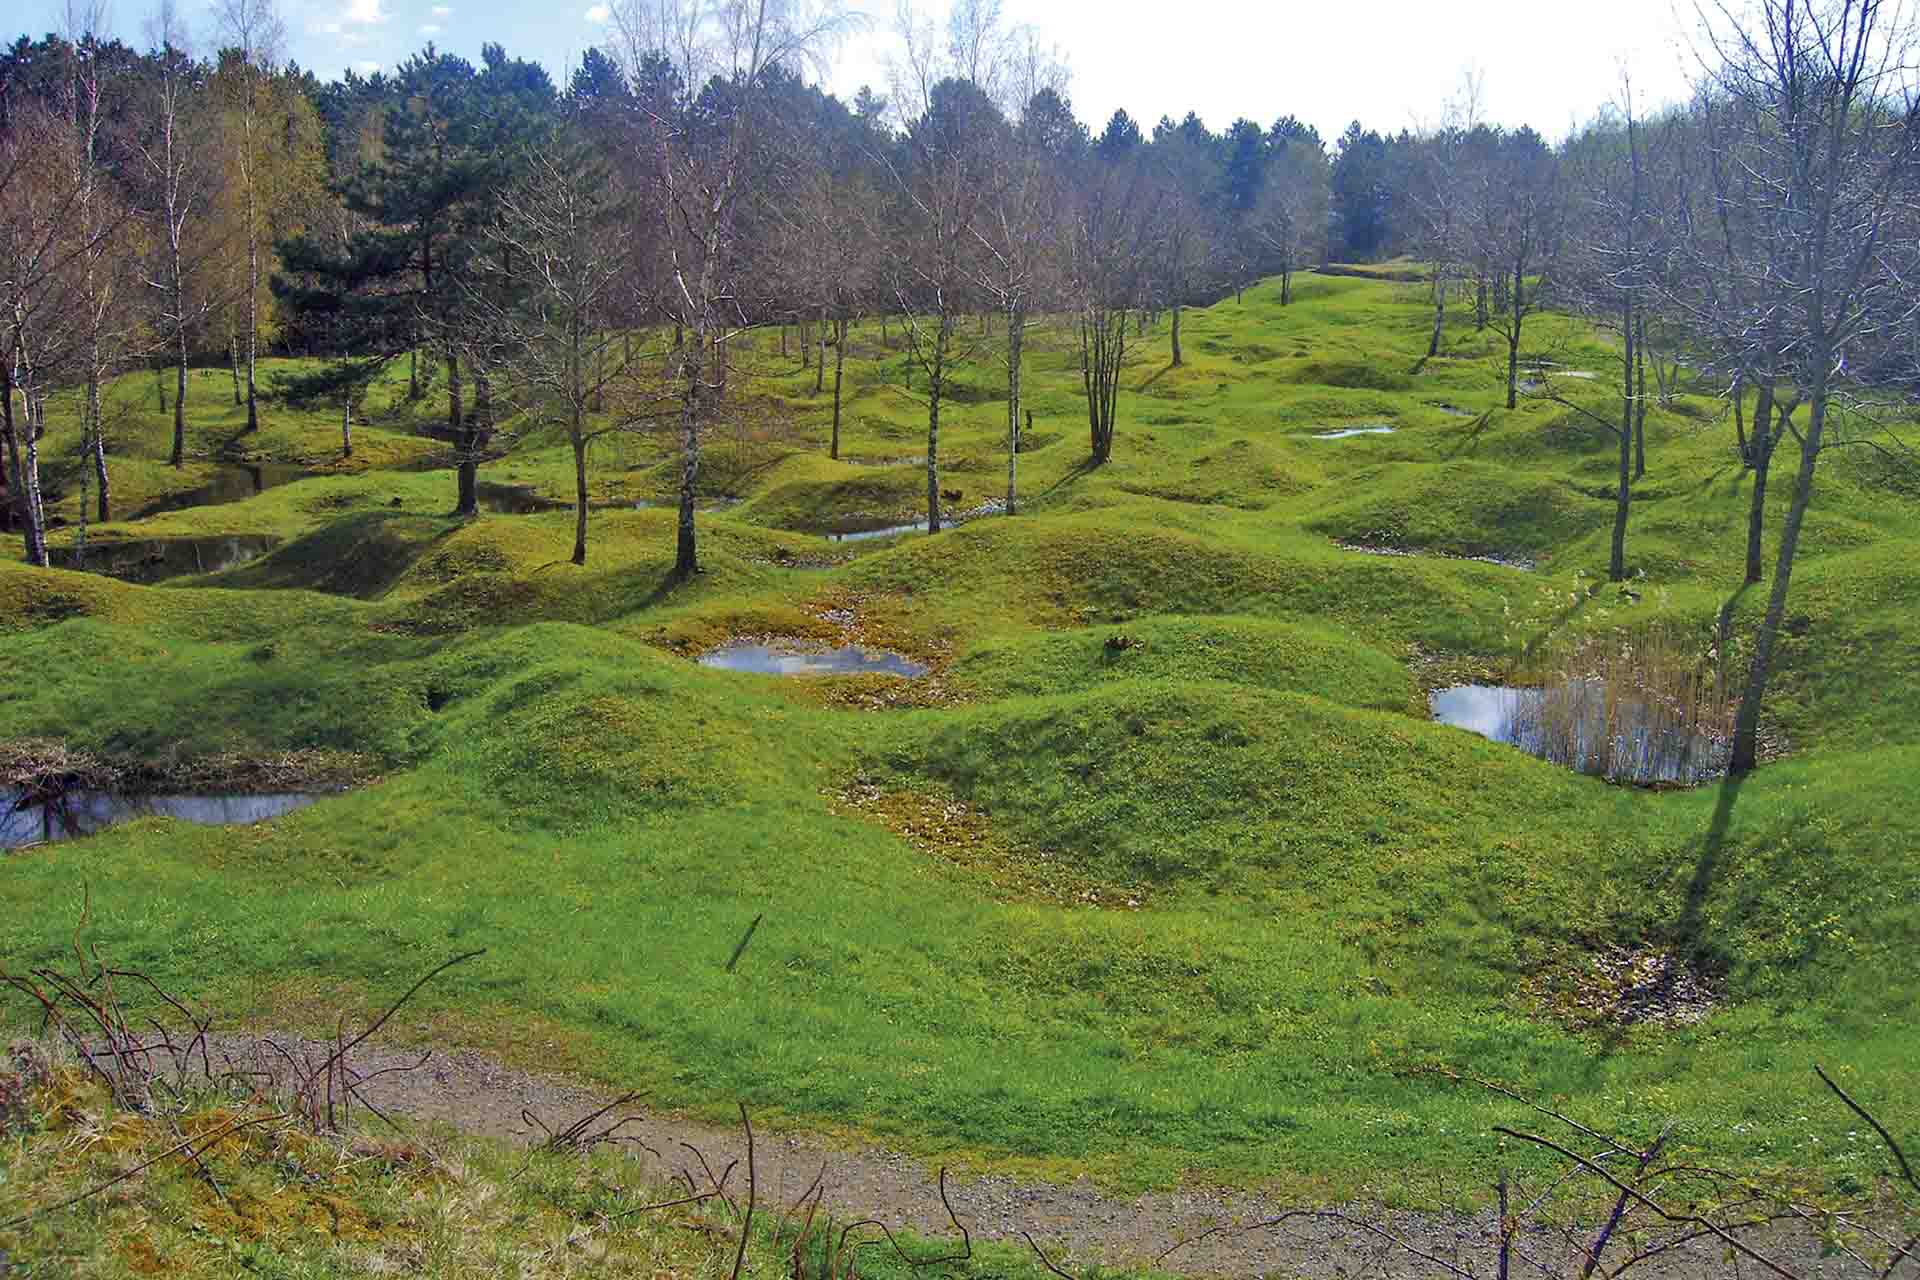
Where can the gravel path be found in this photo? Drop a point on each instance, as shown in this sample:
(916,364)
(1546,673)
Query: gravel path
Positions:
(1075,1221)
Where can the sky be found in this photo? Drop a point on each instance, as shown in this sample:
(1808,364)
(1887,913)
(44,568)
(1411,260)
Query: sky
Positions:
(1391,64)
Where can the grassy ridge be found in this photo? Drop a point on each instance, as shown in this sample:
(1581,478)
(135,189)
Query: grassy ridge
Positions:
(1300,891)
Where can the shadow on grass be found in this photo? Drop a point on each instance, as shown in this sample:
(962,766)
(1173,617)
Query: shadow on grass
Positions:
(1469,440)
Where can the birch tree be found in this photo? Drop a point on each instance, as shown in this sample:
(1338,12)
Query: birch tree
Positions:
(698,169)
(256,32)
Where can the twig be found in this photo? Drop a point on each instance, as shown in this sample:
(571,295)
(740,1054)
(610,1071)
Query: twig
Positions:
(745,938)
(740,1255)
(1720,1233)
(1045,1261)
(1906,1170)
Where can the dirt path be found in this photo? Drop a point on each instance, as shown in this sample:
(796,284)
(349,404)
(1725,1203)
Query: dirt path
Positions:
(1075,1221)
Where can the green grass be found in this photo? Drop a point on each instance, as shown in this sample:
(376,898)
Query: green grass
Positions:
(1299,893)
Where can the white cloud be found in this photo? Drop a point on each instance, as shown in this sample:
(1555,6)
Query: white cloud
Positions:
(600,13)
(428,29)
(442,11)
(364,13)
(366,68)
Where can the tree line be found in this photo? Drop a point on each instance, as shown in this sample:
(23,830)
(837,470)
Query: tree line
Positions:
(594,255)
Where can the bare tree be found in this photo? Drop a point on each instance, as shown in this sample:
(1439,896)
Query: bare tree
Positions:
(551,264)
(945,185)
(823,243)
(1017,265)
(42,334)
(257,33)
(1289,217)
(99,216)
(175,166)
(1830,128)
(1110,251)
(1518,235)
(698,168)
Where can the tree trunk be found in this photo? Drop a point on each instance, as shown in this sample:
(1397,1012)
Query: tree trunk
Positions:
(178,457)
(1760,459)
(1016,339)
(100,472)
(1513,340)
(806,345)
(233,358)
(454,397)
(23,472)
(1740,419)
(467,463)
(686,561)
(1480,302)
(1623,495)
(1640,397)
(1286,286)
(1746,732)
(413,373)
(783,340)
(936,374)
(579,491)
(346,423)
(1176,335)
(1439,314)
(820,365)
(253,288)
(839,368)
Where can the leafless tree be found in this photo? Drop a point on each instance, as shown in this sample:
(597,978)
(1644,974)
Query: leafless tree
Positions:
(551,265)
(100,216)
(824,246)
(698,168)
(1609,269)
(42,329)
(1518,234)
(176,167)
(1016,268)
(1827,124)
(257,32)
(1289,219)
(1109,256)
(945,186)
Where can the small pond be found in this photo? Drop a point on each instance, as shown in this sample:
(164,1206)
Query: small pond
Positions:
(233,482)
(848,660)
(862,530)
(148,560)
(84,812)
(1353,431)
(1580,726)
(515,500)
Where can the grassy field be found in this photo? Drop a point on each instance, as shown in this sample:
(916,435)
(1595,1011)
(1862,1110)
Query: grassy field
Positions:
(1219,896)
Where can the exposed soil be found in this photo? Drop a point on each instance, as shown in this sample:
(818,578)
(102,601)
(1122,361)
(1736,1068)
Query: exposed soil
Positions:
(1075,1221)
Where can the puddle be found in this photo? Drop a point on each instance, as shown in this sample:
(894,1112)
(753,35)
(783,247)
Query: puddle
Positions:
(1508,562)
(148,560)
(233,482)
(82,813)
(515,500)
(1354,431)
(1579,726)
(1455,411)
(885,531)
(861,531)
(849,660)
(851,461)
